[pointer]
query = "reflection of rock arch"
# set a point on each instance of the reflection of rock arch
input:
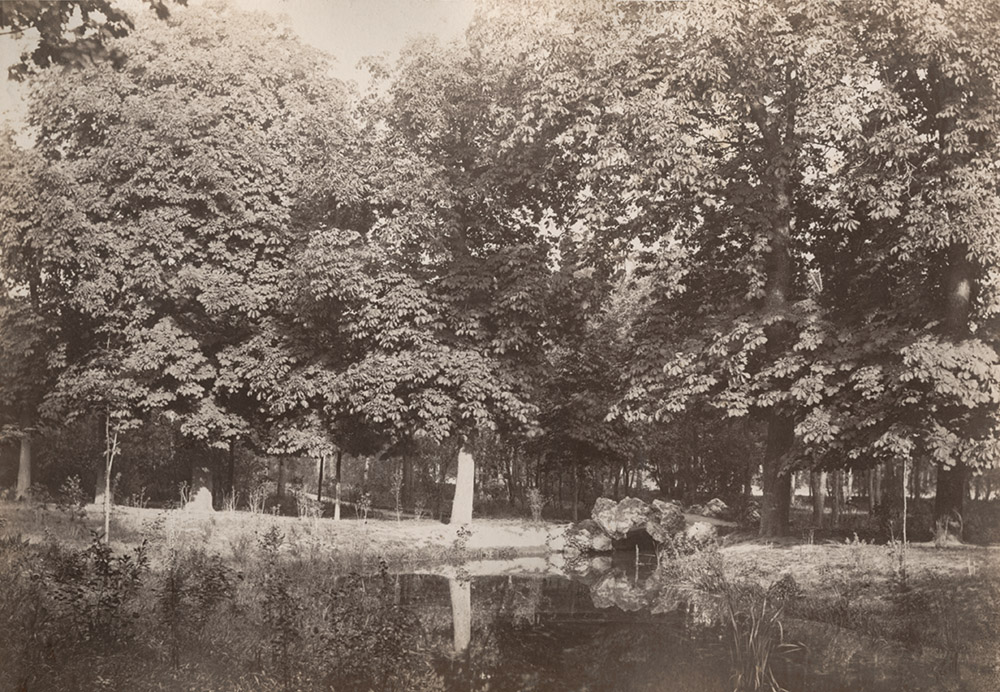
(461, 613)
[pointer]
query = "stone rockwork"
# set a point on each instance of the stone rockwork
(700, 532)
(620, 519)
(586, 537)
(715, 508)
(618, 590)
(665, 521)
(588, 569)
(632, 523)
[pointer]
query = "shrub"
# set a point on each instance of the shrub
(93, 588)
(285, 505)
(70, 497)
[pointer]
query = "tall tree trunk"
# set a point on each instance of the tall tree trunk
(877, 474)
(336, 490)
(25, 457)
(777, 483)
(959, 285)
(949, 500)
(461, 508)
(870, 490)
(891, 499)
(817, 484)
(409, 491)
(231, 472)
(778, 276)
(576, 492)
(201, 489)
(110, 450)
(319, 483)
(838, 497)
(281, 477)
(439, 496)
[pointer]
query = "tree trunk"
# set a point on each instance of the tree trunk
(336, 491)
(461, 508)
(959, 286)
(409, 492)
(877, 474)
(201, 489)
(281, 477)
(949, 500)
(777, 483)
(110, 450)
(319, 482)
(439, 496)
(838, 497)
(817, 484)
(891, 499)
(24, 459)
(870, 490)
(778, 276)
(576, 492)
(231, 472)
(99, 485)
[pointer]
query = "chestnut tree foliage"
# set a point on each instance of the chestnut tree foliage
(579, 228)
(178, 173)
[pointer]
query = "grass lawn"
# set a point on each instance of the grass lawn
(355, 544)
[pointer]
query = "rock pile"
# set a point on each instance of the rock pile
(630, 521)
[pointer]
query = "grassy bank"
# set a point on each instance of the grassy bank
(353, 544)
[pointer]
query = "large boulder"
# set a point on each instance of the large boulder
(700, 532)
(665, 521)
(621, 518)
(586, 537)
(716, 508)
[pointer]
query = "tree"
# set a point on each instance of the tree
(739, 106)
(436, 301)
(26, 339)
(70, 32)
(186, 164)
(914, 250)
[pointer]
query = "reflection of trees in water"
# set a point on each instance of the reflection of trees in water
(545, 634)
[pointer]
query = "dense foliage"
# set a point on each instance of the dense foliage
(634, 242)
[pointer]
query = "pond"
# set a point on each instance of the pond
(92, 620)
(533, 631)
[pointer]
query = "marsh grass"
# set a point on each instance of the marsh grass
(98, 617)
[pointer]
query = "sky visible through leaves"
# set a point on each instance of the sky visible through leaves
(347, 29)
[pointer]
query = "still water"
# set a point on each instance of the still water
(526, 625)
(613, 629)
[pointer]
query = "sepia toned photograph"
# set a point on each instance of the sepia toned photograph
(500, 346)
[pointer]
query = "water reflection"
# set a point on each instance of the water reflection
(604, 626)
